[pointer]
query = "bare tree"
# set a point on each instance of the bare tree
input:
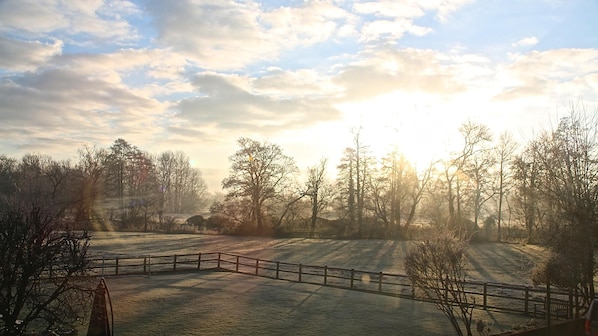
(436, 267)
(389, 190)
(117, 164)
(474, 137)
(42, 264)
(345, 184)
(195, 192)
(91, 169)
(395, 192)
(364, 164)
(526, 196)
(568, 158)
(504, 152)
(478, 169)
(8, 184)
(165, 164)
(319, 192)
(417, 192)
(258, 172)
(181, 187)
(355, 171)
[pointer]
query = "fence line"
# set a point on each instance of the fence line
(534, 301)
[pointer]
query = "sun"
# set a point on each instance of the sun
(396, 122)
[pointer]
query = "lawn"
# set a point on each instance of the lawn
(222, 303)
(491, 262)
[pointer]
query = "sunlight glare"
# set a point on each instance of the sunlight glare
(411, 124)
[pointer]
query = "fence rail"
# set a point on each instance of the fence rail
(533, 301)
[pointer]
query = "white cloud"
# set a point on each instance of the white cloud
(223, 35)
(385, 70)
(386, 30)
(90, 21)
(156, 63)
(232, 35)
(393, 9)
(227, 102)
(526, 42)
(63, 104)
(300, 83)
(444, 8)
(18, 55)
(395, 18)
(564, 73)
(314, 22)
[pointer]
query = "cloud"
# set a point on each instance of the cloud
(393, 18)
(64, 104)
(155, 63)
(299, 83)
(555, 73)
(395, 9)
(384, 70)
(231, 103)
(526, 42)
(410, 9)
(231, 35)
(18, 55)
(84, 22)
(390, 30)
(444, 8)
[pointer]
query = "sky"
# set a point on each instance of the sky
(195, 75)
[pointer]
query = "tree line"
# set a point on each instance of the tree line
(120, 187)
(490, 187)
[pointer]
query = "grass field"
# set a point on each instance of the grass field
(492, 262)
(219, 303)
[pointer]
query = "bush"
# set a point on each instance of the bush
(436, 267)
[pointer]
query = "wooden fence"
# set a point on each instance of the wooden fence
(528, 300)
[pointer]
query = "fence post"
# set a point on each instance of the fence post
(325, 275)
(257, 266)
(570, 310)
(277, 268)
(144, 265)
(116, 266)
(237, 264)
(526, 299)
(174, 263)
(576, 303)
(380, 282)
(548, 303)
(300, 267)
(352, 276)
(485, 295)
(199, 261)
(219, 260)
